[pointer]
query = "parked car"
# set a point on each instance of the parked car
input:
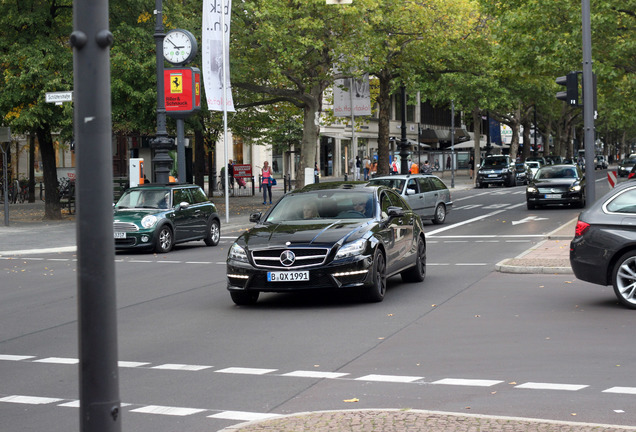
(625, 166)
(534, 167)
(157, 217)
(427, 195)
(334, 235)
(522, 173)
(539, 159)
(603, 250)
(556, 184)
(553, 160)
(496, 170)
(600, 162)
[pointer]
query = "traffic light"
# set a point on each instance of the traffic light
(571, 83)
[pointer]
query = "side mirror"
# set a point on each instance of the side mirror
(255, 217)
(393, 211)
(183, 205)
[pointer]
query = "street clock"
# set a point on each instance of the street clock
(179, 47)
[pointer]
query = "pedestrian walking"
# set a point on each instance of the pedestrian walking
(367, 167)
(357, 172)
(471, 167)
(266, 182)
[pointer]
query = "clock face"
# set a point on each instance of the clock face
(179, 46)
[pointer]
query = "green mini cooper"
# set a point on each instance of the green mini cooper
(157, 217)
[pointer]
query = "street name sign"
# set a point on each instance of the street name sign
(59, 97)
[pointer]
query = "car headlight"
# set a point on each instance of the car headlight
(148, 221)
(351, 249)
(237, 253)
(531, 189)
(575, 188)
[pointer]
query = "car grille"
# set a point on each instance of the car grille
(554, 189)
(305, 257)
(125, 227)
(125, 242)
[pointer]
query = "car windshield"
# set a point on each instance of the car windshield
(139, 198)
(494, 163)
(556, 172)
(327, 204)
(533, 164)
(630, 161)
(395, 184)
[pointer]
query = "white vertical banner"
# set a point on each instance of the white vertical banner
(213, 59)
(352, 92)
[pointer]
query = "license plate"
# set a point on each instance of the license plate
(492, 175)
(287, 276)
(120, 235)
(552, 196)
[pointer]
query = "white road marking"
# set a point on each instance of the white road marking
(621, 390)
(243, 416)
(30, 400)
(129, 364)
(181, 367)
(551, 386)
(246, 371)
(57, 360)
(14, 357)
(467, 382)
(315, 374)
(389, 378)
(167, 410)
(475, 219)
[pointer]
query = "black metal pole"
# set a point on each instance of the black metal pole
(404, 166)
(162, 162)
(97, 312)
(589, 135)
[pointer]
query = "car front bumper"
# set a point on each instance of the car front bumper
(547, 199)
(351, 273)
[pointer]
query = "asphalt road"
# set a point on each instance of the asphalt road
(466, 340)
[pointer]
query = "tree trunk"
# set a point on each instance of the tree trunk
(526, 139)
(477, 136)
(52, 209)
(384, 101)
(311, 130)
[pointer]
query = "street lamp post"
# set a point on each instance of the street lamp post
(162, 144)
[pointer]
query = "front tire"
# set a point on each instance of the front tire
(440, 214)
(165, 240)
(375, 292)
(244, 298)
(624, 279)
(213, 234)
(417, 273)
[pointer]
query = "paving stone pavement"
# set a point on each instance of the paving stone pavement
(412, 421)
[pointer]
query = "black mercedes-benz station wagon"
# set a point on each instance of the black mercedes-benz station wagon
(328, 236)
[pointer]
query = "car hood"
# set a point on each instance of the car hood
(134, 215)
(324, 233)
(553, 182)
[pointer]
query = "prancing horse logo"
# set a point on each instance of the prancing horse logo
(287, 258)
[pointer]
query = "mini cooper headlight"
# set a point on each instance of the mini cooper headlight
(237, 253)
(351, 249)
(148, 221)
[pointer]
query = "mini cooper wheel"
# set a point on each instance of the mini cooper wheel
(624, 279)
(213, 234)
(165, 240)
(440, 214)
(417, 273)
(375, 292)
(244, 298)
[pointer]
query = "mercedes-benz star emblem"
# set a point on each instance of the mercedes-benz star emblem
(287, 258)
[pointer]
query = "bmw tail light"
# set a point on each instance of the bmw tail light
(581, 227)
